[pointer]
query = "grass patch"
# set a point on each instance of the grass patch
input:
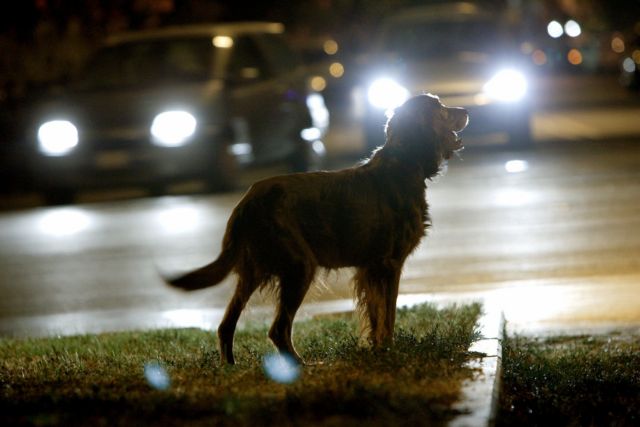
(100, 380)
(580, 380)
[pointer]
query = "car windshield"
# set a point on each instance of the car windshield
(149, 62)
(417, 39)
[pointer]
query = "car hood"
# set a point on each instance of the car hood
(445, 78)
(462, 76)
(113, 110)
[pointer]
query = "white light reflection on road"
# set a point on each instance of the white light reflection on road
(530, 302)
(179, 219)
(513, 197)
(64, 222)
(192, 318)
(516, 166)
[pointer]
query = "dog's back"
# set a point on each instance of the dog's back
(342, 219)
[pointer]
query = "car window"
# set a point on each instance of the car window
(247, 62)
(281, 57)
(442, 38)
(150, 62)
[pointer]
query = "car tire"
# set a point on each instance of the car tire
(305, 158)
(222, 176)
(157, 189)
(58, 196)
(374, 137)
(520, 133)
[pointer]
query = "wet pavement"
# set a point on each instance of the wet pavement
(549, 234)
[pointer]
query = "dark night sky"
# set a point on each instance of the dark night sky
(24, 14)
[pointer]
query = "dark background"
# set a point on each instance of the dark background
(46, 42)
(33, 32)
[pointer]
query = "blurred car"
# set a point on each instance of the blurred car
(331, 65)
(458, 51)
(178, 103)
(630, 67)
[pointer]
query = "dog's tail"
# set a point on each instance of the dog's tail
(209, 275)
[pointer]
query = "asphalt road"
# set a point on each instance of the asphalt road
(551, 235)
(557, 241)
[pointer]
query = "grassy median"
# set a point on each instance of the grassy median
(571, 381)
(174, 376)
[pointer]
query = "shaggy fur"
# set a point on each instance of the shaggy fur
(370, 217)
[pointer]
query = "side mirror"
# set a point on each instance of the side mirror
(249, 73)
(244, 75)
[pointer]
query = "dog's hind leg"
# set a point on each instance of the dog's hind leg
(245, 287)
(377, 292)
(294, 285)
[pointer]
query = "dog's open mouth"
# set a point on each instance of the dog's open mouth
(452, 144)
(457, 136)
(459, 121)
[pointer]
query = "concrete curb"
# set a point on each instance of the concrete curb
(479, 396)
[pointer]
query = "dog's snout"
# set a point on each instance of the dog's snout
(465, 119)
(460, 118)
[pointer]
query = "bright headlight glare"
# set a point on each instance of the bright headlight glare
(173, 128)
(507, 85)
(387, 94)
(318, 110)
(57, 137)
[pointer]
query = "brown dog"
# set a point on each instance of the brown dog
(370, 217)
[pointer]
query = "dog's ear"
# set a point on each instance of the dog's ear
(410, 134)
(402, 125)
(412, 121)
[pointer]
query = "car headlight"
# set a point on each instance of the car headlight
(57, 137)
(319, 112)
(507, 85)
(173, 128)
(386, 94)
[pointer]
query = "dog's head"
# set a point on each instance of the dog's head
(425, 122)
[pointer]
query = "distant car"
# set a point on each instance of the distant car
(179, 102)
(630, 67)
(458, 51)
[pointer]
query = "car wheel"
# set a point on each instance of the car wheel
(520, 133)
(374, 138)
(157, 189)
(58, 196)
(223, 174)
(307, 156)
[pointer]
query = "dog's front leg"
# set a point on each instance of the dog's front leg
(377, 289)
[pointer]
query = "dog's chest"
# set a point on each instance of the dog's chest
(412, 225)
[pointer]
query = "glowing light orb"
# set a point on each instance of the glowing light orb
(572, 28)
(554, 29)
(156, 376)
(281, 368)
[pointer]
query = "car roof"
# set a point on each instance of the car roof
(440, 12)
(204, 30)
